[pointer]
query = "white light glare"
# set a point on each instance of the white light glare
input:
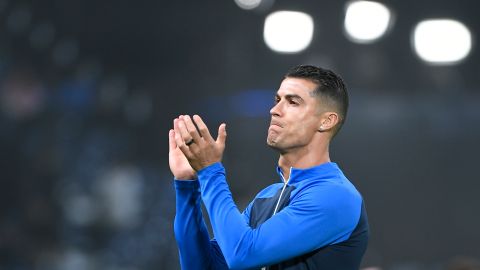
(288, 31)
(366, 21)
(442, 41)
(248, 4)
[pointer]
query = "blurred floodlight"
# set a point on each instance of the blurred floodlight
(248, 4)
(256, 5)
(288, 31)
(442, 41)
(366, 21)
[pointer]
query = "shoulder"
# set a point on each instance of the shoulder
(336, 196)
(337, 187)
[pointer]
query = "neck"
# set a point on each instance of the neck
(303, 158)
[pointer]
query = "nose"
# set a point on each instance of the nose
(275, 110)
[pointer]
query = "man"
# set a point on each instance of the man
(313, 219)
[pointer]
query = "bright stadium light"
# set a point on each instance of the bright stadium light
(441, 41)
(366, 21)
(288, 31)
(248, 4)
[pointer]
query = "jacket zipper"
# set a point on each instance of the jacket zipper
(285, 182)
(283, 189)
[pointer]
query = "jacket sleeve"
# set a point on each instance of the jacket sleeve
(309, 222)
(196, 250)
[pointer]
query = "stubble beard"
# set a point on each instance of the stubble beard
(272, 138)
(274, 143)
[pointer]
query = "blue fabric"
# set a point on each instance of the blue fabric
(323, 209)
(196, 251)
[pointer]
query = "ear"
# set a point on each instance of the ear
(328, 121)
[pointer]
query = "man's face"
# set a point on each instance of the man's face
(296, 115)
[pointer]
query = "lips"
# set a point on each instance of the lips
(275, 123)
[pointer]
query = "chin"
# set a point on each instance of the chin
(272, 139)
(271, 143)
(274, 145)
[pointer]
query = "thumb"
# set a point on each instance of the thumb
(222, 134)
(171, 140)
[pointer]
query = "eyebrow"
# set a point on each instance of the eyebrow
(291, 96)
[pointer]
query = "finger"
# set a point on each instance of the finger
(192, 129)
(178, 135)
(175, 129)
(193, 147)
(222, 134)
(178, 139)
(202, 128)
(171, 140)
(183, 147)
(181, 129)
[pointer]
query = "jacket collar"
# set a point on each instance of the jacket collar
(323, 171)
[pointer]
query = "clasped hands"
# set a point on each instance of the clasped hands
(192, 148)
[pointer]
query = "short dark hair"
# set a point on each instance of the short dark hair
(331, 88)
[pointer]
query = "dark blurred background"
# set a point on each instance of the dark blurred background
(89, 89)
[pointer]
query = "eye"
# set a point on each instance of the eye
(276, 99)
(293, 102)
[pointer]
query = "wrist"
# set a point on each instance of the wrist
(201, 166)
(210, 168)
(186, 185)
(186, 177)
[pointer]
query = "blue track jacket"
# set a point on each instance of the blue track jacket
(316, 220)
